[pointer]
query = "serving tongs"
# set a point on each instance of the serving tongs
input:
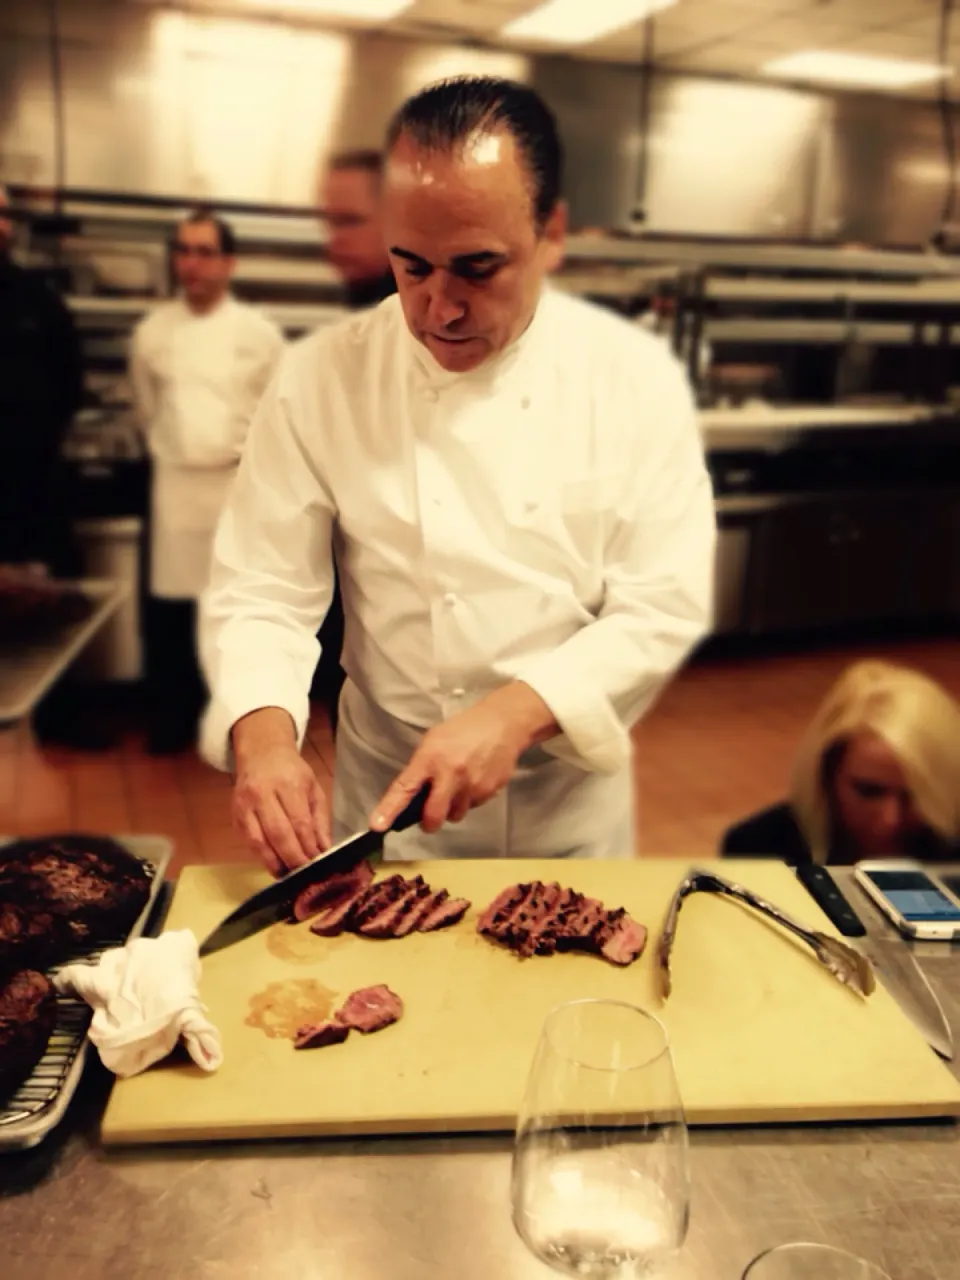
(846, 964)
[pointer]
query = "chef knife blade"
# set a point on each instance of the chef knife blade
(890, 957)
(272, 904)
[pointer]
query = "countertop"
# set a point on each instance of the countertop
(438, 1209)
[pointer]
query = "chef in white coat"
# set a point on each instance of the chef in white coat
(199, 365)
(516, 486)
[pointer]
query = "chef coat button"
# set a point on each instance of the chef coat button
(449, 599)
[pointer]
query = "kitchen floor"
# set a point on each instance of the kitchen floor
(717, 746)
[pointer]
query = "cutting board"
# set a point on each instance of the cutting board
(760, 1032)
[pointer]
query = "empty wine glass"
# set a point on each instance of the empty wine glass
(600, 1171)
(811, 1262)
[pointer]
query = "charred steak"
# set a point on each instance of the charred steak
(365, 1011)
(540, 919)
(28, 1013)
(92, 883)
(31, 938)
(390, 908)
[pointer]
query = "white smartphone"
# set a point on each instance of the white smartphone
(920, 905)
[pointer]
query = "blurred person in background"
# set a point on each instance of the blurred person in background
(199, 365)
(877, 775)
(350, 212)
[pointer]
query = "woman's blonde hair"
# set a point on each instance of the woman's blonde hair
(915, 717)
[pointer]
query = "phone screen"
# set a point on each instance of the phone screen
(915, 896)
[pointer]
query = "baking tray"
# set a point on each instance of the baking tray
(29, 669)
(40, 1103)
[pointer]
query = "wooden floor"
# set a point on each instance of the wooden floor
(716, 746)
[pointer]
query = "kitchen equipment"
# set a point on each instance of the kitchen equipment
(601, 1184)
(272, 904)
(41, 1102)
(847, 965)
(828, 896)
(811, 1262)
(759, 1032)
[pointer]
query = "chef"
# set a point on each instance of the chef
(199, 365)
(516, 488)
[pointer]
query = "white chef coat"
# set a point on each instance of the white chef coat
(547, 517)
(197, 380)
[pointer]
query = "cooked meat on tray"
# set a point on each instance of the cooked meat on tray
(90, 882)
(28, 1013)
(365, 1011)
(540, 919)
(390, 908)
(31, 937)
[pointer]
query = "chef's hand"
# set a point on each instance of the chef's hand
(469, 758)
(278, 804)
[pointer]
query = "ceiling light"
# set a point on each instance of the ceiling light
(858, 69)
(362, 10)
(580, 21)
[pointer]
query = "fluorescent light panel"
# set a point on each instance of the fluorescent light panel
(362, 10)
(581, 21)
(864, 70)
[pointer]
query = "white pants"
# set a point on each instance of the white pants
(550, 809)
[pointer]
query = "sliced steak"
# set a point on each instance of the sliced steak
(371, 1009)
(28, 1014)
(540, 919)
(389, 918)
(319, 1034)
(625, 942)
(391, 908)
(31, 938)
(376, 898)
(502, 908)
(332, 922)
(444, 914)
(332, 891)
(418, 912)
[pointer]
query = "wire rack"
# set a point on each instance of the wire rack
(40, 1101)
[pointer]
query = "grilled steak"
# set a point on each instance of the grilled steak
(338, 888)
(390, 908)
(540, 919)
(28, 1013)
(365, 1011)
(31, 938)
(92, 883)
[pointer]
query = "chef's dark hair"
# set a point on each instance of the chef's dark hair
(226, 239)
(364, 158)
(447, 113)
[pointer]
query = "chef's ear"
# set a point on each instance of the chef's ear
(554, 235)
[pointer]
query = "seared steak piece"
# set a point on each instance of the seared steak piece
(365, 1011)
(93, 883)
(28, 1014)
(340, 887)
(539, 919)
(390, 908)
(31, 938)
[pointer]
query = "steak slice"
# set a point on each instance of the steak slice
(28, 1014)
(539, 919)
(318, 1035)
(387, 920)
(504, 905)
(444, 914)
(336, 888)
(624, 941)
(419, 910)
(332, 922)
(371, 1009)
(31, 938)
(376, 898)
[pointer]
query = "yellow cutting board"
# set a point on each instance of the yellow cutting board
(760, 1031)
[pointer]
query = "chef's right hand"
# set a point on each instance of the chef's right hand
(278, 804)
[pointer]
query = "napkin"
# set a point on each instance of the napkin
(145, 998)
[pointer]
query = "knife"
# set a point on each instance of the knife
(271, 905)
(890, 957)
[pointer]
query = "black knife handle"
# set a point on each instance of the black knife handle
(825, 891)
(413, 812)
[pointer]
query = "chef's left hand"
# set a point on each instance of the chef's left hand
(469, 758)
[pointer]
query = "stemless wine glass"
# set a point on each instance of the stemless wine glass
(811, 1262)
(600, 1171)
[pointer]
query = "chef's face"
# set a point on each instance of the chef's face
(873, 806)
(202, 269)
(351, 213)
(467, 250)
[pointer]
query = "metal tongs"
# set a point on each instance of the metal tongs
(846, 964)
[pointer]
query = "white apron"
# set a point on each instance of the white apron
(185, 507)
(551, 809)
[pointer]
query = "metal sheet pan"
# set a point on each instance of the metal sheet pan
(40, 1104)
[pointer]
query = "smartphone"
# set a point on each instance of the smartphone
(920, 905)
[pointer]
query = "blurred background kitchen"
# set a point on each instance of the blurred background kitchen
(771, 184)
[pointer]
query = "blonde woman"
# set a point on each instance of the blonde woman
(877, 775)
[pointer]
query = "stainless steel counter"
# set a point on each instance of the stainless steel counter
(427, 1209)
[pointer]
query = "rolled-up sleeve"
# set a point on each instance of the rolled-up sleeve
(271, 581)
(658, 584)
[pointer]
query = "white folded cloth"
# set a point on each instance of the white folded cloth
(145, 997)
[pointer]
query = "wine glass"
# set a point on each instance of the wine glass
(811, 1262)
(600, 1182)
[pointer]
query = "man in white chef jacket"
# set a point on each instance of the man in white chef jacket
(199, 365)
(516, 486)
